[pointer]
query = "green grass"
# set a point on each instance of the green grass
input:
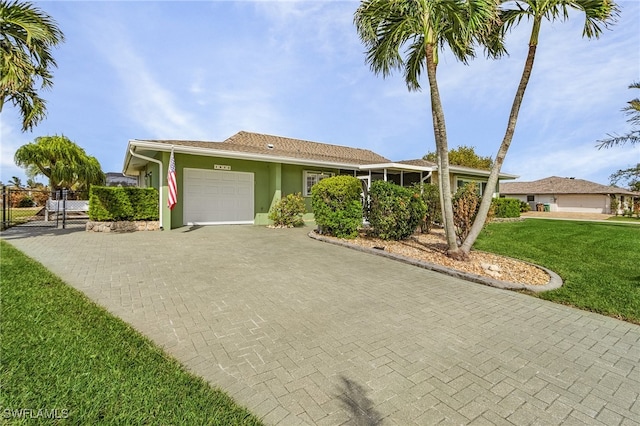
(24, 214)
(598, 262)
(62, 352)
(625, 219)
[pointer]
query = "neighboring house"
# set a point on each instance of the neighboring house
(237, 181)
(563, 194)
(118, 179)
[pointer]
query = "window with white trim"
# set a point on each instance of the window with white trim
(311, 178)
(480, 186)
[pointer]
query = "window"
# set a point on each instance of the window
(311, 178)
(480, 186)
(531, 198)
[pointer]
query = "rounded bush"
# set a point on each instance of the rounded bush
(337, 205)
(288, 211)
(394, 212)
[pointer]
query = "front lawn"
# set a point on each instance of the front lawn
(632, 219)
(598, 262)
(63, 357)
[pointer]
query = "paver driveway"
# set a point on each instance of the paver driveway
(304, 332)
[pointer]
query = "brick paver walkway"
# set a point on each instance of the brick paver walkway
(304, 332)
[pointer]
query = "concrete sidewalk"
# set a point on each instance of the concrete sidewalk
(304, 332)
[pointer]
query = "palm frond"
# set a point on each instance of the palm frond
(27, 36)
(633, 137)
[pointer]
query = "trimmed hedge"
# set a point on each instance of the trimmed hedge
(337, 205)
(394, 211)
(122, 203)
(506, 207)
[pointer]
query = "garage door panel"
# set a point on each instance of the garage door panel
(213, 196)
(583, 203)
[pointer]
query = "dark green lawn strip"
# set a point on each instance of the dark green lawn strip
(599, 262)
(61, 351)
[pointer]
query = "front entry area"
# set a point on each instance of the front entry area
(216, 197)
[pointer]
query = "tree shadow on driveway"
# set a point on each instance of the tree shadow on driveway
(353, 399)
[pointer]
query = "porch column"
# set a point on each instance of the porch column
(276, 183)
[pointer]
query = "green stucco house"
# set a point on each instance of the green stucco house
(237, 181)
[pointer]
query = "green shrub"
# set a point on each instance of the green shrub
(394, 212)
(506, 207)
(288, 211)
(26, 201)
(123, 203)
(337, 205)
(524, 207)
(431, 199)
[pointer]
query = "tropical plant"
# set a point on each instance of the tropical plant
(16, 182)
(27, 35)
(633, 137)
(465, 156)
(31, 183)
(598, 14)
(62, 161)
(422, 28)
(287, 212)
(630, 176)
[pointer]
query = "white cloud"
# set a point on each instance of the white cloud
(148, 102)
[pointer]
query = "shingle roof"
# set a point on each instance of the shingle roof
(559, 185)
(418, 162)
(279, 146)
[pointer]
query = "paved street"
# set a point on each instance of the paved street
(304, 332)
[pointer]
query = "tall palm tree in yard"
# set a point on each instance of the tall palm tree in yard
(27, 35)
(421, 29)
(598, 15)
(62, 161)
(633, 137)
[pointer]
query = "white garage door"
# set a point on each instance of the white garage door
(214, 197)
(587, 203)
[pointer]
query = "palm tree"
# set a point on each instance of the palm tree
(421, 28)
(16, 182)
(633, 137)
(27, 35)
(598, 14)
(62, 161)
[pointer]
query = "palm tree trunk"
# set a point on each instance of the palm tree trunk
(440, 134)
(485, 205)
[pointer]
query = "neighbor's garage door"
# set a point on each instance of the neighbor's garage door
(214, 197)
(587, 203)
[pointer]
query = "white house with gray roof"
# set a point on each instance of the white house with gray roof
(567, 194)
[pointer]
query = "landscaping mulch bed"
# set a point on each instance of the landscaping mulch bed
(432, 247)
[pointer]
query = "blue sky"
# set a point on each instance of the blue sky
(204, 70)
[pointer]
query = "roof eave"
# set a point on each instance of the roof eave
(211, 152)
(396, 166)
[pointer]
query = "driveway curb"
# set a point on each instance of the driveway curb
(555, 281)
